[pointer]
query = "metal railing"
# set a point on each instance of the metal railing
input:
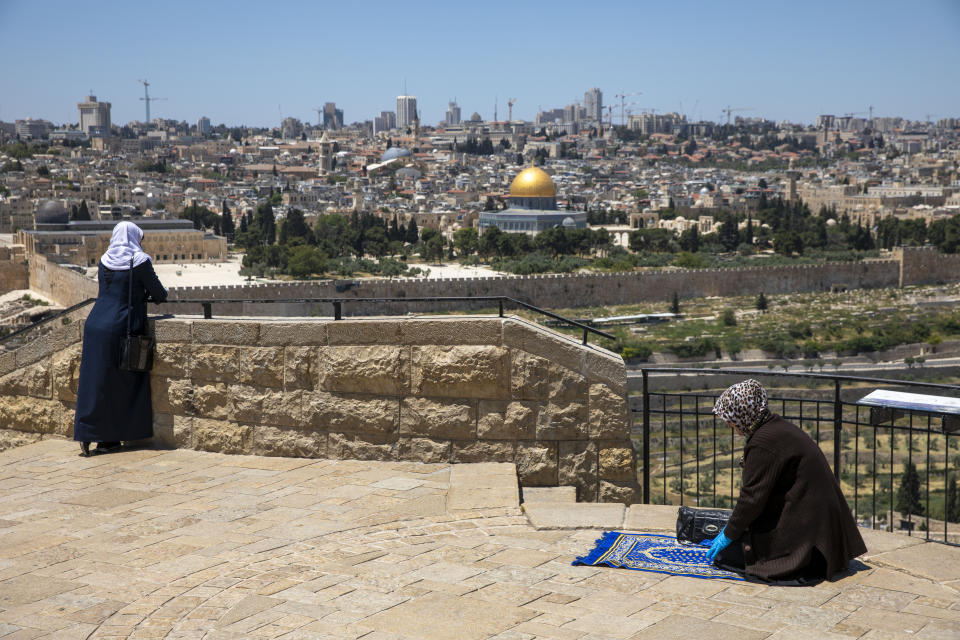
(338, 304)
(687, 457)
(16, 338)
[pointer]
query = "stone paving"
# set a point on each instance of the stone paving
(185, 544)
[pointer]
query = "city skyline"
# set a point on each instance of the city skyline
(245, 63)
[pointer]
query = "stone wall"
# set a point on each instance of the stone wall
(13, 269)
(59, 283)
(431, 390)
(924, 265)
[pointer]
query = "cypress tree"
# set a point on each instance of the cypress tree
(761, 303)
(226, 223)
(952, 501)
(675, 304)
(908, 494)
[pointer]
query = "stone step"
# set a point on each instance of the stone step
(641, 518)
(483, 485)
(549, 494)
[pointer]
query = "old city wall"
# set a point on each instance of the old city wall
(59, 283)
(431, 390)
(924, 265)
(14, 273)
(547, 290)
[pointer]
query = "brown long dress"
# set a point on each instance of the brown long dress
(791, 508)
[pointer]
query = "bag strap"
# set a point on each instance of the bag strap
(130, 297)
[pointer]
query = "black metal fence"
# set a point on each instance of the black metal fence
(899, 471)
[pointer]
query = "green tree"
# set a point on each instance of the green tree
(728, 317)
(690, 240)
(305, 261)
(413, 234)
(466, 241)
(908, 494)
(761, 303)
(675, 304)
(226, 221)
(266, 223)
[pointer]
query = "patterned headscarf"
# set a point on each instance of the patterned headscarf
(744, 404)
(124, 244)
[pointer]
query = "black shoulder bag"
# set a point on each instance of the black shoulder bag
(136, 352)
(696, 525)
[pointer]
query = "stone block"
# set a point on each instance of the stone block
(33, 415)
(216, 363)
(555, 347)
(8, 362)
(451, 331)
(10, 438)
(609, 415)
(376, 369)
(245, 402)
(163, 429)
(183, 433)
(617, 461)
(167, 330)
(66, 373)
(32, 351)
(364, 446)
(230, 332)
(212, 401)
(578, 468)
(261, 366)
(423, 449)
(32, 380)
(340, 332)
(299, 367)
(353, 414)
(468, 371)
(536, 378)
(651, 517)
(557, 515)
(172, 359)
(625, 492)
(303, 333)
(537, 463)
(438, 418)
(484, 451)
(563, 422)
(606, 367)
(282, 408)
(222, 436)
(289, 443)
(503, 420)
(538, 495)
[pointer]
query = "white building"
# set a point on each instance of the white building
(94, 116)
(593, 104)
(406, 111)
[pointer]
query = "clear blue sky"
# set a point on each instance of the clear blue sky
(248, 62)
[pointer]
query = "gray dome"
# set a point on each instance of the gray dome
(52, 212)
(569, 223)
(395, 152)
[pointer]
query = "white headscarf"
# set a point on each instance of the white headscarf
(124, 244)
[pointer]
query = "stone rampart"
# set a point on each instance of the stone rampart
(59, 283)
(924, 265)
(419, 389)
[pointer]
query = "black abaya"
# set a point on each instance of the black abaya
(114, 405)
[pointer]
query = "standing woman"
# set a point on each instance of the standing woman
(791, 520)
(114, 405)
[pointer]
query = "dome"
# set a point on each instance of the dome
(704, 191)
(831, 222)
(52, 212)
(569, 223)
(395, 152)
(533, 182)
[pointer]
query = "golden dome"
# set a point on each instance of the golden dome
(532, 182)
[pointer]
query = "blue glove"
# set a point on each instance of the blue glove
(720, 543)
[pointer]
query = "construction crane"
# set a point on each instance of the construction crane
(147, 99)
(623, 104)
(319, 111)
(730, 110)
(510, 103)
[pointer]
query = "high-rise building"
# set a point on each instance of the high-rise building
(94, 116)
(453, 114)
(593, 104)
(203, 126)
(332, 117)
(291, 128)
(386, 121)
(406, 111)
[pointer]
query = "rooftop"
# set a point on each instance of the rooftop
(177, 543)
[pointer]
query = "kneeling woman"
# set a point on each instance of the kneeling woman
(791, 520)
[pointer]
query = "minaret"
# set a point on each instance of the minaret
(326, 155)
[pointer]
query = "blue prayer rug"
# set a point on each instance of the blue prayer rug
(651, 552)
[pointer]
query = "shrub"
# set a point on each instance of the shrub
(636, 352)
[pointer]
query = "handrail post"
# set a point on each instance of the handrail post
(500, 301)
(646, 440)
(837, 427)
(584, 336)
(207, 310)
(338, 310)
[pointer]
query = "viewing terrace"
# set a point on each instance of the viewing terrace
(429, 478)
